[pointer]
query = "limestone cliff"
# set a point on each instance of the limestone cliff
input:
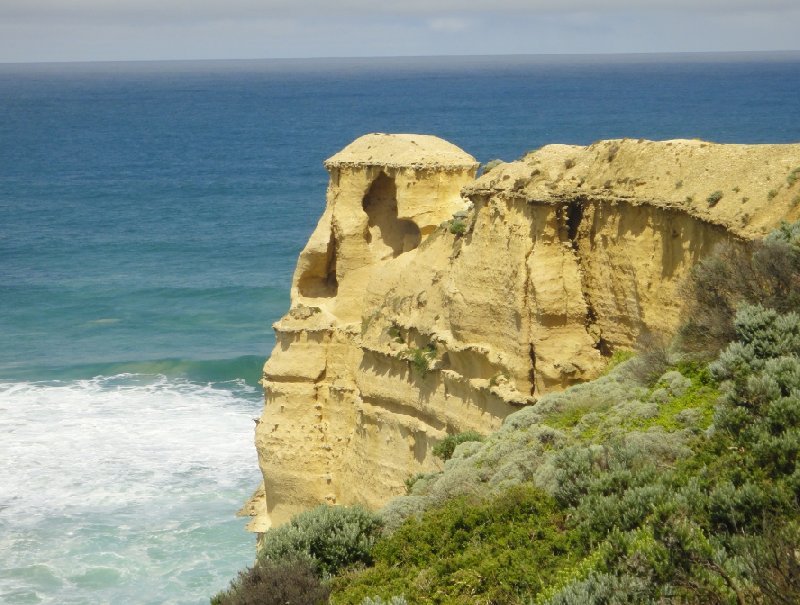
(427, 302)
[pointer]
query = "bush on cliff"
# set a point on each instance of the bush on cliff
(444, 449)
(330, 538)
(495, 550)
(683, 488)
(766, 273)
(286, 582)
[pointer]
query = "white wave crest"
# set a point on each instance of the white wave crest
(123, 489)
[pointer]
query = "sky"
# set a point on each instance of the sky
(114, 30)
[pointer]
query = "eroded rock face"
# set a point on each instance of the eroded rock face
(427, 302)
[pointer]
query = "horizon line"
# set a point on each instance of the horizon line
(787, 53)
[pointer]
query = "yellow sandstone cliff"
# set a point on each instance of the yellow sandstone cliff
(427, 302)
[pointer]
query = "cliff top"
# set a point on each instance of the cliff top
(402, 151)
(747, 189)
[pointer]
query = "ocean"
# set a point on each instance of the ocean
(150, 218)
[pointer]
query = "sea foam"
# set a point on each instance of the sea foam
(123, 488)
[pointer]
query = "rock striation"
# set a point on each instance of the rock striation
(429, 302)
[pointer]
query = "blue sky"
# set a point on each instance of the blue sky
(94, 30)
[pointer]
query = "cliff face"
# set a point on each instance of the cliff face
(427, 302)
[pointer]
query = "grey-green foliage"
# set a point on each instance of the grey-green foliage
(491, 164)
(395, 600)
(329, 537)
(421, 358)
(603, 589)
(765, 273)
(787, 233)
(458, 226)
(444, 449)
(772, 561)
(275, 583)
(760, 375)
(539, 442)
(714, 197)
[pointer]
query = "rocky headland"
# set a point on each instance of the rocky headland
(429, 302)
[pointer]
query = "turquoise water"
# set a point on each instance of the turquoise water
(150, 218)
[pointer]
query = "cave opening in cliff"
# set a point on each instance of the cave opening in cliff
(387, 234)
(574, 218)
(319, 279)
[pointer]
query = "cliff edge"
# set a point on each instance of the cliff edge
(429, 302)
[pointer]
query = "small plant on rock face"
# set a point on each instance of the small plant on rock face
(612, 152)
(714, 197)
(421, 358)
(772, 193)
(458, 227)
(793, 177)
(491, 164)
(395, 334)
(495, 380)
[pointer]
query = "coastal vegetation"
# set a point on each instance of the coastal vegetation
(714, 197)
(458, 227)
(445, 448)
(421, 358)
(672, 478)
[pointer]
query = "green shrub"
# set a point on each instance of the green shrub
(793, 177)
(618, 357)
(410, 481)
(395, 600)
(714, 198)
(458, 226)
(602, 589)
(761, 377)
(502, 549)
(772, 560)
(395, 334)
(767, 273)
(638, 497)
(421, 358)
(286, 582)
(444, 449)
(651, 362)
(330, 538)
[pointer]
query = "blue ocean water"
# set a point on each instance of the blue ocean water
(150, 218)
